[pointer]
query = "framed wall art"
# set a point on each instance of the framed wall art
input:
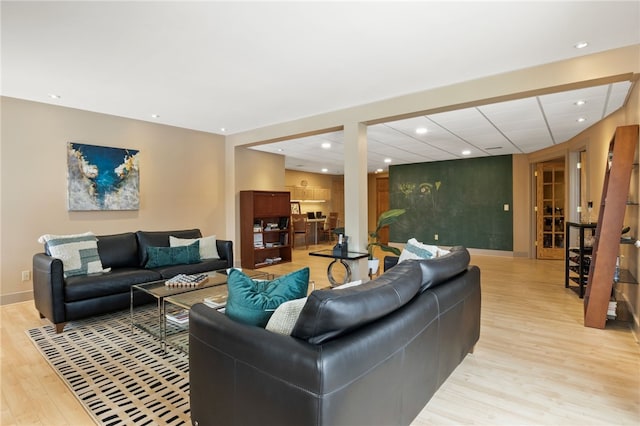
(295, 207)
(102, 178)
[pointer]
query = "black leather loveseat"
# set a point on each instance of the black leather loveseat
(367, 355)
(63, 299)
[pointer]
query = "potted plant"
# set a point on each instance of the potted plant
(386, 218)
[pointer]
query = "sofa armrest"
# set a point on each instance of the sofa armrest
(390, 262)
(48, 287)
(225, 251)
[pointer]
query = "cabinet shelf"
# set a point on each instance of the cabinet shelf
(260, 210)
(578, 258)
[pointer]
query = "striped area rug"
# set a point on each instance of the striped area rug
(119, 376)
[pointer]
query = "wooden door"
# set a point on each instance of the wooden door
(382, 205)
(550, 196)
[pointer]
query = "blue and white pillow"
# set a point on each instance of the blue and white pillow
(416, 250)
(78, 253)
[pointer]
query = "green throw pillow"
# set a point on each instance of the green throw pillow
(253, 302)
(165, 256)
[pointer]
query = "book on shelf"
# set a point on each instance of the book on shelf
(183, 280)
(179, 317)
(215, 302)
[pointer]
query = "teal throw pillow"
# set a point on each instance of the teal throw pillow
(253, 302)
(165, 256)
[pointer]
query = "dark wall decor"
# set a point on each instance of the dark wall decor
(461, 201)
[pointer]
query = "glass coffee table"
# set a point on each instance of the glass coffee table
(163, 324)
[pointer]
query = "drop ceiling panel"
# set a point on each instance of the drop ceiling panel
(517, 126)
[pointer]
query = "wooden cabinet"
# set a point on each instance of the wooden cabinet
(265, 234)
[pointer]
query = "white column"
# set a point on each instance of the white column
(355, 193)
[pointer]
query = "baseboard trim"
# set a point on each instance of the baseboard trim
(8, 299)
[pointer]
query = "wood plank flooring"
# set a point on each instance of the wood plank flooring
(535, 363)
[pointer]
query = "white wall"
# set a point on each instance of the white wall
(181, 181)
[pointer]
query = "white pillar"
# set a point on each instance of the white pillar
(355, 193)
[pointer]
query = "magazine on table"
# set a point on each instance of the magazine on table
(179, 317)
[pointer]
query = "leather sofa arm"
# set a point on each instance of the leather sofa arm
(48, 287)
(390, 262)
(225, 251)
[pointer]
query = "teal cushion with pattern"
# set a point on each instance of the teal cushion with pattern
(166, 256)
(253, 302)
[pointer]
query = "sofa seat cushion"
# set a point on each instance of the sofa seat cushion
(193, 268)
(84, 287)
(331, 313)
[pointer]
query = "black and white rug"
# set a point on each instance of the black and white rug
(119, 376)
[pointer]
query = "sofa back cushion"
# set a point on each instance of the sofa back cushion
(331, 313)
(118, 250)
(160, 239)
(438, 270)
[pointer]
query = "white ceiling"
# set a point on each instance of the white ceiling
(245, 65)
(515, 127)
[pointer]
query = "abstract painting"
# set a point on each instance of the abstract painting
(102, 178)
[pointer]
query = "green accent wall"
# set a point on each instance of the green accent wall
(460, 200)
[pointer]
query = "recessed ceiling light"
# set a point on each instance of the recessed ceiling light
(326, 145)
(421, 130)
(379, 170)
(155, 115)
(580, 102)
(466, 152)
(581, 120)
(387, 160)
(280, 150)
(325, 170)
(53, 96)
(223, 129)
(581, 45)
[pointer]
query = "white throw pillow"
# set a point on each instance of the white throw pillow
(208, 248)
(285, 316)
(78, 252)
(349, 284)
(416, 250)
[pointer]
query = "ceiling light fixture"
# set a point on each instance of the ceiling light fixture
(325, 170)
(581, 120)
(580, 102)
(223, 129)
(581, 45)
(54, 96)
(280, 150)
(421, 130)
(387, 160)
(155, 116)
(466, 152)
(379, 170)
(326, 145)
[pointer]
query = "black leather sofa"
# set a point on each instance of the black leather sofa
(367, 355)
(63, 299)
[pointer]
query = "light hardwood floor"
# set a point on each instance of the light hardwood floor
(535, 363)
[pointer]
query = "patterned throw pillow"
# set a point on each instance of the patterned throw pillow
(208, 248)
(253, 302)
(166, 256)
(285, 316)
(416, 250)
(78, 252)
